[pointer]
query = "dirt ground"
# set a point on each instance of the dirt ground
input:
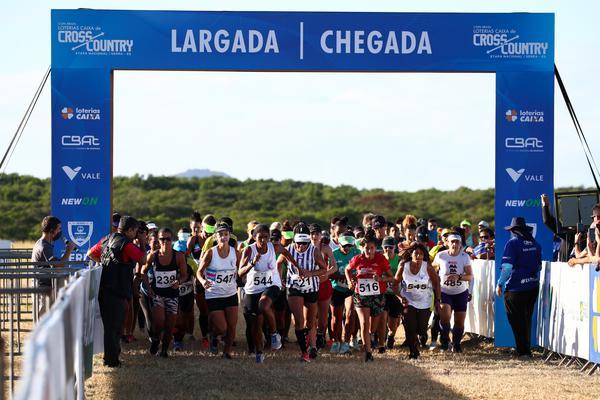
(481, 372)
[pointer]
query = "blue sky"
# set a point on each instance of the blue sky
(417, 118)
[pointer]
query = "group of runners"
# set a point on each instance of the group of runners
(344, 289)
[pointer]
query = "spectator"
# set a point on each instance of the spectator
(519, 279)
(432, 226)
(470, 239)
(485, 250)
(482, 224)
(43, 251)
(566, 236)
(116, 217)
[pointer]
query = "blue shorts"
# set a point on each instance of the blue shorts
(458, 302)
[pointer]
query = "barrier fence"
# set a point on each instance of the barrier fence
(22, 302)
(59, 353)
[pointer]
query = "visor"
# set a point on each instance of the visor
(289, 235)
(346, 240)
(209, 228)
(454, 237)
(301, 238)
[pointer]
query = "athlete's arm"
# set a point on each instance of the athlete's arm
(467, 275)
(284, 252)
(238, 258)
(204, 263)
(397, 280)
(146, 266)
(332, 264)
(246, 264)
(320, 262)
(180, 258)
(435, 282)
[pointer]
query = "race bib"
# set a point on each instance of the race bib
(416, 287)
(165, 279)
(186, 288)
(368, 287)
(263, 279)
(452, 284)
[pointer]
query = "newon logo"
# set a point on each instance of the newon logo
(92, 40)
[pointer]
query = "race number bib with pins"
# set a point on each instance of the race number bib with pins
(186, 288)
(368, 287)
(165, 279)
(263, 279)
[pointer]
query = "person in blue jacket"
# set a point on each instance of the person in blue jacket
(519, 279)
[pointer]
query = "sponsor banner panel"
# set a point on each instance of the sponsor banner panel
(480, 314)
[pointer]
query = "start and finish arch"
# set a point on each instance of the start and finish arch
(88, 45)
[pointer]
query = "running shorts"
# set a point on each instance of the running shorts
(221, 303)
(458, 302)
(310, 297)
(393, 305)
(251, 300)
(170, 304)
(338, 297)
(375, 303)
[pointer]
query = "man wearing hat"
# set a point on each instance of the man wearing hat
(519, 279)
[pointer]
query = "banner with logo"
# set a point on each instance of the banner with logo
(480, 311)
(87, 45)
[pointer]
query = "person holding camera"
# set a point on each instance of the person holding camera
(591, 253)
(566, 236)
(519, 280)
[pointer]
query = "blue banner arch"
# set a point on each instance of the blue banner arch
(88, 45)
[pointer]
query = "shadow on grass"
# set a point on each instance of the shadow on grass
(197, 374)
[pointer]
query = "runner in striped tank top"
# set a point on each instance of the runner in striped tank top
(303, 287)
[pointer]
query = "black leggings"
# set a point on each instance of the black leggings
(415, 325)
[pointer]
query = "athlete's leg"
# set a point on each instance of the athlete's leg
(458, 328)
(445, 314)
(364, 318)
(231, 315)
(218, 322)
(296, 304)
(311, 319)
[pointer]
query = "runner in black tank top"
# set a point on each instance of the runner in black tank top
(169, 269)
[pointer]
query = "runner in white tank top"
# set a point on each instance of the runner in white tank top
(418, 282)
(455, 271)
(217, 273)
(263, 283)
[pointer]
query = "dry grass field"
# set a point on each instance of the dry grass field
(481, 372)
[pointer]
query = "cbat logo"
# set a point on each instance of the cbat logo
(515, 175)
(520, 144)
(523, 203)
(502, 42)
(66, 113)
(80, 113)
(79, 201)
(91, 40)
(511, 115)
(80, 232)
(72, 173)
(80, 142)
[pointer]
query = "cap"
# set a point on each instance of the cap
(465, 222)
(275, 225)
(446, 232)
(301, 238)
(314, 228)
(116, 217)
(151, 226)
(388, 241)
(222, 226)
(483, 223)
(275, 234)
(251, 225)
(378, 222)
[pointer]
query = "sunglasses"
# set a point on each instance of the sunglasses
(388, 247)
(484, 237)
(262, 237)
(164, 239)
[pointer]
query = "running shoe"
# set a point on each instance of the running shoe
(204, 343)
(355, 344)
(305, 357)
(227, 356)
(214, 344)
(445, 346)
(381, 350)
(320, 340)
(260, 358)
(345, 348)
(423, 340)
(312, 352)
(456, 348)
(413, 356)
(164, 354)
(368, 356)
(276, 341)
(390, 342)
(374, 340)
(433, 345)
(335, 348)
(177, 345)
(154, 347)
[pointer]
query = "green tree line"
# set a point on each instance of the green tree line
(169, 201)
